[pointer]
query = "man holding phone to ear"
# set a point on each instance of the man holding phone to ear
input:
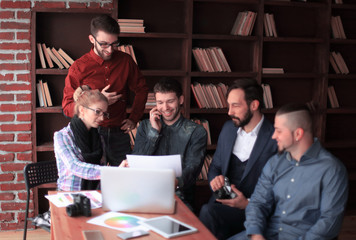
(167, 132)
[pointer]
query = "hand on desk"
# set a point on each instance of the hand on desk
(238, 202)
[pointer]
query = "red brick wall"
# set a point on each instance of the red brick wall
(15, 101)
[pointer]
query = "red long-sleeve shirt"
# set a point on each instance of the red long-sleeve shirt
(120, 72)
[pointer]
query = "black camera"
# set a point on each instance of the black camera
(225, 192)
(80, 207)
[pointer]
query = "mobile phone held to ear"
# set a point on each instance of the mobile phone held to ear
(93, 235)
(133, 234)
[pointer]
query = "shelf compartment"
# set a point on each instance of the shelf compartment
(292, 21)
(239, 54)
(348, 53)
(294, 90)
(46, 125)
(207, 21)
(345, 92)
(340, 127)
(292, 57)
(165, 17)
(155, 54)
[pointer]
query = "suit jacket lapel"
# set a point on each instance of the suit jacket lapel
(261, 141)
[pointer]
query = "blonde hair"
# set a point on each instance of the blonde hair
(85, 96)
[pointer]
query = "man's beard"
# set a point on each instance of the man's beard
(246, 120)
(101, 54)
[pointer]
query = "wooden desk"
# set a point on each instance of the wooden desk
(64, 227)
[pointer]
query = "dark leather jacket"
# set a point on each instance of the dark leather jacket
(184, 137)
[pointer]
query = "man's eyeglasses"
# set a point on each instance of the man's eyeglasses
(99, 112)
(107, 45)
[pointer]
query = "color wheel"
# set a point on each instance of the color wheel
(122, 222)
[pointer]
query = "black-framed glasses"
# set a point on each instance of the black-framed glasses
(99, 112)
(107, 45)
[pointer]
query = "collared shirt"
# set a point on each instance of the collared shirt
(184, 137)
(299, 200)
(120, 72)
(70, 162)
(245, 141)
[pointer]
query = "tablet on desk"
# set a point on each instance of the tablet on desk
(168, 227)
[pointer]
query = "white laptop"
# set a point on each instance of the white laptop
(138, 190)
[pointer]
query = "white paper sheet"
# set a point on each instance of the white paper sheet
(156, 162)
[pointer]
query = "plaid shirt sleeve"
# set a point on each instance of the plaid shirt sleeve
(70, 162)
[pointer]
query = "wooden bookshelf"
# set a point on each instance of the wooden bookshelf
(58, 28)
(175, 27)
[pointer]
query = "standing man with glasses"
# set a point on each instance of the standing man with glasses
(114, 73)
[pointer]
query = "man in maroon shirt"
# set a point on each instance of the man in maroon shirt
(114, 73)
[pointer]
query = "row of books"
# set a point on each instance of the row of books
(151, 101)
(339, 2)
(334, 102)
(129, 50)
(269, 25)
(211, 59)
(244, 23)
(205, 168)
(267, 95)
(337, 29)
(205, 124)
(210, 95)
(131, 25)
(51, 55)
(44, 96)
(338, 63)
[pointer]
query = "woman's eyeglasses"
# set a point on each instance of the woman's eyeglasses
(99, 112)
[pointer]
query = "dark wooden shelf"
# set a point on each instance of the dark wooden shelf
(55, 109)
(295, 4)
(224, 37)
(51, 71)
(158, 73)
(341, 110)
(209, 110)
(292, 75)
(342, 76)
(341, 144)
(154, 35)
(342, 41)
(224, 74)
(343, 6)
(45, 147)
(292, 40)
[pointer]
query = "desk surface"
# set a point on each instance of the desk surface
(64, 227)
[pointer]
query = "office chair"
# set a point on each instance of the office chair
(36, 174)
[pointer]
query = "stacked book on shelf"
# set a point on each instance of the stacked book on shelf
(338, 63)
(211, 59)
(339, 2)
(131, 25)
(337, 29)
(44, 96)
(334, 103)
(151, 101)
(269, 25)
(50, 56)
(267, 95)
(272, 70)
(210, 95)
(244, 23)
(205, 168)
(129, 50)
(205, 124)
